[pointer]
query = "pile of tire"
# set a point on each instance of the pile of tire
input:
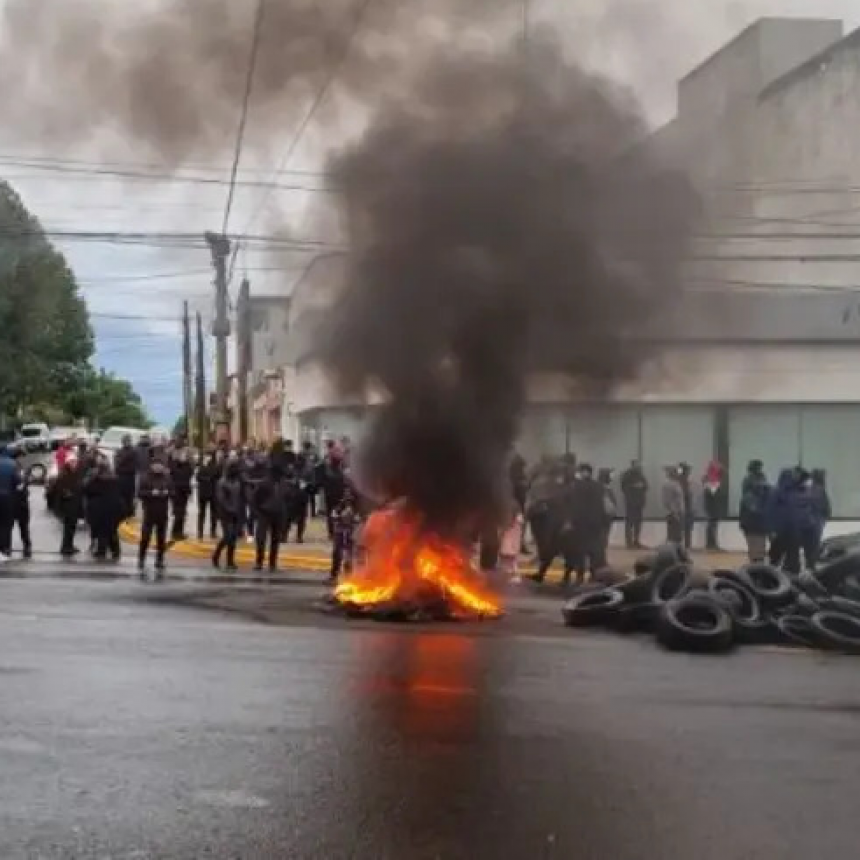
(756, 604)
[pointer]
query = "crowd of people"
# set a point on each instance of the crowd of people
(570, 511)
(263, 494)
(266, 495)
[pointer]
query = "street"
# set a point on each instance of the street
(134, 726)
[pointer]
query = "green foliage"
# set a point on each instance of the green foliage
(46, 341)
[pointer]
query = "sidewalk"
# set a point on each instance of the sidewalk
(315, 553)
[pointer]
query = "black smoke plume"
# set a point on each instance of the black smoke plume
(506, 220)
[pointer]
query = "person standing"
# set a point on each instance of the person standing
(752, 514)
(181, 476)
(22, 506)
(634, 488)
(155, 493)
(106, 506)
(269, 504)
(605, 478)
(674, 508)
(685, 473)
(306, 468)
(588, 515)
(125, 467)
(787, 511)
(229, 499)
(713, 486)
(542, 512)
(821, 512)
(333, 485)
(344, 517)
(255, 469)
(208, 473)
(296, 504)
(69, 493)
(9, 481)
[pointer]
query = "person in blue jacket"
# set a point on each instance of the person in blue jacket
(10, 479)
(821, 512)
(785, 516)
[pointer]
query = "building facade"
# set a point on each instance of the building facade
(762, 360)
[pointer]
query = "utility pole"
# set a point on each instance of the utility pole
(219, 245)
(243, 342)
(187, 396)
(202, 428)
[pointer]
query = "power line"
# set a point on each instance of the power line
(243, 118)
(334, 71)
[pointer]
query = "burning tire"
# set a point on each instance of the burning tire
(697, 623)
(837, 631)
(593, 610)
(771, 586)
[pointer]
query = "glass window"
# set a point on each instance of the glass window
(675, 434)
(542, 432)
(767, 433)
(830, 436)
(605, 437)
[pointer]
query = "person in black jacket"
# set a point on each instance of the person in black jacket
(270, 511)
(296, 501)
(229, 499)
(69, 495)
(105, 505)
(125, 467)
(181, 476)
(155, 492)
(753, 513)
(634, 488)
(333, 483)
(586, 509)
(254, 470)
(22, 506)
(208, 473)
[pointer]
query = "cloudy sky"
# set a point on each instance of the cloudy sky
(136, 289)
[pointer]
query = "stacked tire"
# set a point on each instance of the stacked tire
(754, 605)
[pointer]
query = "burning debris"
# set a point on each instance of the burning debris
(408, 572)
(506, 221)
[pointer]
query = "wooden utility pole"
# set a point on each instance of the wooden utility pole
(202, 422)
(187, 394)
(219, 245)
(243, 363)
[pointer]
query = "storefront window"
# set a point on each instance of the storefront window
(830, 438)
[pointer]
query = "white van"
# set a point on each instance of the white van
(111, 440)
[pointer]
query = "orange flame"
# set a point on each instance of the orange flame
(402, 564)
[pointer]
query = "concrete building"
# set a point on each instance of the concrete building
(767, 364)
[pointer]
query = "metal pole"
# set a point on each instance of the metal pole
(187, 397)
(220, 248)
(243, 338)
(200, 385)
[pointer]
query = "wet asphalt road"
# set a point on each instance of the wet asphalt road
(133, 729)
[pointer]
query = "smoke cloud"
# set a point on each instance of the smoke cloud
(505, 222)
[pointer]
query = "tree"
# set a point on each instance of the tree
(101, 399)
(46, 342)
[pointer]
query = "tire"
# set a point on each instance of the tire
(832, 574)
(644, 564)
(638, 589)
(837, 631)
(842, 605)
(593, 610)
(672, 583)
(808, 584)
(798, 630)
(636, 618)
(772, 587)
(836, 547)
(761, 631)
(697, 624)
(739, 598)
(668, 555)
(851, 587)
(805, 606)
(37, 474)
